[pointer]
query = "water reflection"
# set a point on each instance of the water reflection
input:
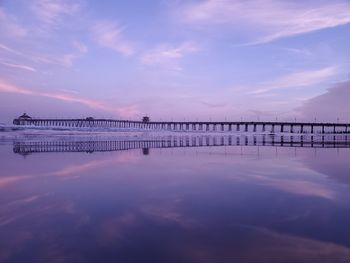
(89, 146)
(175, 199)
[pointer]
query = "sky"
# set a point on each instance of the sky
(175, 59)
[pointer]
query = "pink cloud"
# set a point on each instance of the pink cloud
(6, 87)
(68, 59)
(74, 169)
(169, 55)
(297, 79)
(18, 66)
(125, 111)
(168, 52)
(10, 25)
(91, 165)
(7, 180)
(61, 60)
(109, 34)
(51, 11)
(271, 19)
(330, 105)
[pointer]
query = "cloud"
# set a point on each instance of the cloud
(61, 60)
(10, 50)
(80, 46)
(48, 15)
(18, 66)
(271, 19)
(168, 55)
(298, 51)
(125, 111)
(5, 181)
(333, 104)
(10, 88)
(213, 105)
(6, 87)
(51, 11)
(14, 52)
(108, 34)
(80, 49)
(297, 79)
(10, 25)
(78, 168)
(298, 187)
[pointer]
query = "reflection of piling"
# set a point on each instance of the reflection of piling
(334, 141)
(302, 140)
(145, 151)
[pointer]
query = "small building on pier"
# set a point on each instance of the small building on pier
(146, 119)
(24, 116)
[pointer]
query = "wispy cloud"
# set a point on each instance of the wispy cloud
(270, 19)
(52, 11)
(297, 79)
(299, 187)
(332, 104)
(18, 66)
(10, 26)
(7, 87)
(109, 34)
(5, 181)
(213, 105)
(125, 111)
(80, 49)
(78, 168)
(168, 55)
(10, 50)
(80, 46)
(67, 59)
(298, 51)
(10, 88)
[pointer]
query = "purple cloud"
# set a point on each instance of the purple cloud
(329, 106)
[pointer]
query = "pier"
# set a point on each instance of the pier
(201, 126)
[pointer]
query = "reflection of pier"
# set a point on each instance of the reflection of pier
(26, 147)
(274, 127)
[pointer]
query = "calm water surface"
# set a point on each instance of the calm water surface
(193, 204)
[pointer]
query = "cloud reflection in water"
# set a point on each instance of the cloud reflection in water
(175, 205)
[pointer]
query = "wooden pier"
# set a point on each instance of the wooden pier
(202, 126)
